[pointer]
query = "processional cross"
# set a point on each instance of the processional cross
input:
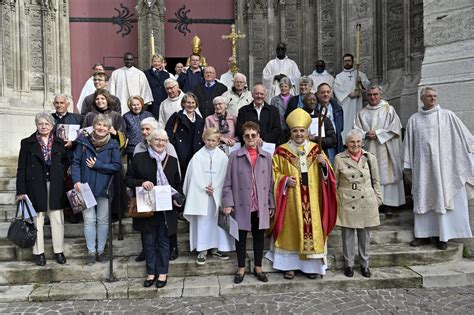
(233, 37)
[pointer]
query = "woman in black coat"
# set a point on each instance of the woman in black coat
(185, 129)
(42, 166)
(145, 171)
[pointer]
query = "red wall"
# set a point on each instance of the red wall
(93, 42)
(216, 50)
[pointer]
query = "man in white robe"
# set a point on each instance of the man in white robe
(89, 87)
(276, 69)
(381, 131)
(439, 156)
(129, 81)
(227, 77)
(203, 189)
(320, 75)
(344, 90)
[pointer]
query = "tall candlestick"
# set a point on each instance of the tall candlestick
(152, 43)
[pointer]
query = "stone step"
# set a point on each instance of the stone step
(7, 212)
(8, 170)
(397, 255)
(447, 274)
(131, 244)
(7, 198)
(210, 285)
(7, 184)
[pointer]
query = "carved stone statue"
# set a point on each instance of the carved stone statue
(197, 50)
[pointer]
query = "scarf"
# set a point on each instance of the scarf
(45, 148)
(356, 157)
(161, 179)
(97, 141)
(223, 124)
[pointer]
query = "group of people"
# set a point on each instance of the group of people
(289, 166)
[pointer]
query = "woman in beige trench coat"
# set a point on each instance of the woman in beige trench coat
(358, 196)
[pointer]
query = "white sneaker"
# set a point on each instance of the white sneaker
(201, 258)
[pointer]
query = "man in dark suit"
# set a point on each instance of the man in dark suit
(207, 91)
(262, 113)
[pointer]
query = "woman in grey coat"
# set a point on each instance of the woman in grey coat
(358, 197)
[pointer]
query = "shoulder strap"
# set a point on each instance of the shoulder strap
(175, 126)
(166, 161)
(370, 169)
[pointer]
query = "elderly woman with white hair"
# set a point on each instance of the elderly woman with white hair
(224, 122)
(239, 95)
(148, 125)
(148, 169)
(359, 197)
(280, 101)
(42, 166)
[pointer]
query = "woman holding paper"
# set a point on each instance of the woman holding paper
(42, 166)
(95, 160)
(155, 167)
(203, 189)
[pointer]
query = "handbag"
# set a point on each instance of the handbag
(22, 232)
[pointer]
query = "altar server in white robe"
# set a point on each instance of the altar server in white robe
(439, 157)
(344, 90)
(203, 189)
(89, 87)
(129, 81)
(381, 131)
(278, 68)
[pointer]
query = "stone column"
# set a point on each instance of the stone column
(35, 65)
(151, 16)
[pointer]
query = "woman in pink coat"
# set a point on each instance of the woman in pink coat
(248, 194)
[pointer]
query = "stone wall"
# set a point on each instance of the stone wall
(35, 65)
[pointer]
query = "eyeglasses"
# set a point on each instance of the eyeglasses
(160, 140)
(250, 135)
(99, 80)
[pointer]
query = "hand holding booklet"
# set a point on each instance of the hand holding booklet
(157, 199)
(228, 224)
(81, 200)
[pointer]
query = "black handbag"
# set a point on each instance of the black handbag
(22, 232)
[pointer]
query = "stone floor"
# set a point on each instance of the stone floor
(458, 300)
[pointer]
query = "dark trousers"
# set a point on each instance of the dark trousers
(157, 250)
(258, 242)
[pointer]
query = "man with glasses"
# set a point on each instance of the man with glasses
(207, 91)
(239, 95)
(263, 114)
(129, 81)
(381, 132)
(89, 86)
(100, 80)
(172, 104)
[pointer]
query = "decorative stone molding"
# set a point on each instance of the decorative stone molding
(151, 16)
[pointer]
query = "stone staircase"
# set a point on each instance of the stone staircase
(393, 263)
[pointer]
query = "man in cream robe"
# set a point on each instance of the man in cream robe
(276, 69)
(303, 177)
(344, 86)
(381, 131)
(207, 167)
(438, 155)
(129, 81)
(320, 75)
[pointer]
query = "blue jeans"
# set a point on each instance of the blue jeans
(96, 223)
(156, 245)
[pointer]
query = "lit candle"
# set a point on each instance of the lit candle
(152, 43)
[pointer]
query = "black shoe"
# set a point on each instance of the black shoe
(348, 272)
(140, 257)
(174, 253)
(60, 258)
(148, 283)
(442, 245)
(161, 284)
(239, 277)
(311, 276)
(420, 242)
(365, 271)
(40, 260)
(261, 276)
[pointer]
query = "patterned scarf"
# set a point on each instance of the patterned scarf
(97, 141)
(223, 124)
(45, 148)
(161, 179)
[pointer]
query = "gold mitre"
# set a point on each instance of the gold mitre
(298, 118)
(196, 42)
